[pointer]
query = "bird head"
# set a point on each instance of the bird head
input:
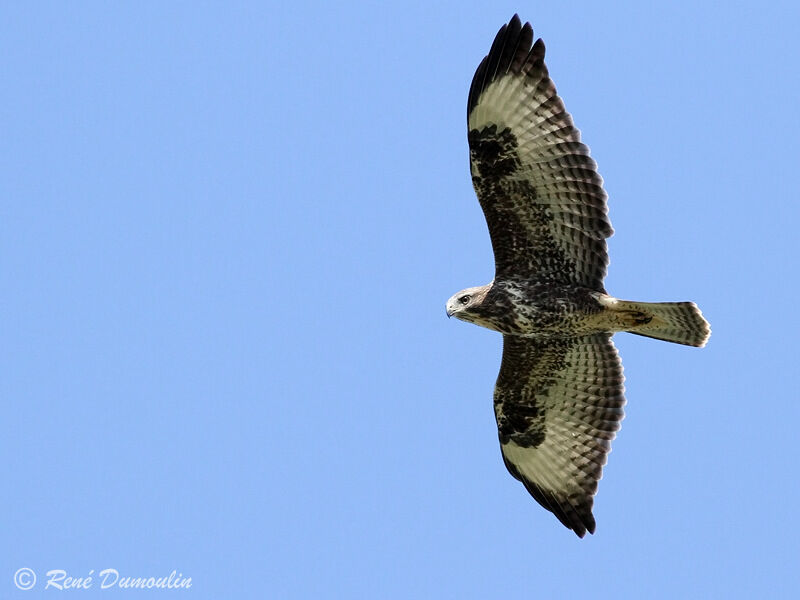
(463, 305)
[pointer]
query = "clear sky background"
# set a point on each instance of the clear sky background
(227, 234)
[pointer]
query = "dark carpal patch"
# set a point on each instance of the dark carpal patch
(524, 423)
(495, 154)
(526, 374)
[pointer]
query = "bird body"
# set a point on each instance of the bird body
(529, 308)
(559, 395)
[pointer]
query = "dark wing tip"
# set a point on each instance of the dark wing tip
(510, 51)
(538, 50)
(577, 517)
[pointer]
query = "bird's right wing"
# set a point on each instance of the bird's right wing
(559, 403)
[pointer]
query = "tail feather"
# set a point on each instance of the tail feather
(678, 322)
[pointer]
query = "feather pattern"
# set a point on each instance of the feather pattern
(559, 403)
(536, 182)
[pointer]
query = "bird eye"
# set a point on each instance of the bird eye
(464, 299)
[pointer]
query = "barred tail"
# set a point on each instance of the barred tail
(678, 322)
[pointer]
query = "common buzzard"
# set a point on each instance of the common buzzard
(559, 395)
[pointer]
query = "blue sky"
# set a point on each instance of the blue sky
(228, 232)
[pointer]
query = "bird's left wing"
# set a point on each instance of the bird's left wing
(559, 403)
(537, 185)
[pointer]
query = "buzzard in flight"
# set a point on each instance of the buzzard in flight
(559, 395)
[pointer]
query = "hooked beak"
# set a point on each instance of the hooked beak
(449, 311)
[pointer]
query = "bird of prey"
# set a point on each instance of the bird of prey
(559, 397)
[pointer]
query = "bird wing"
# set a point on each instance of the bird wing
(539, 189)
(559, 403)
